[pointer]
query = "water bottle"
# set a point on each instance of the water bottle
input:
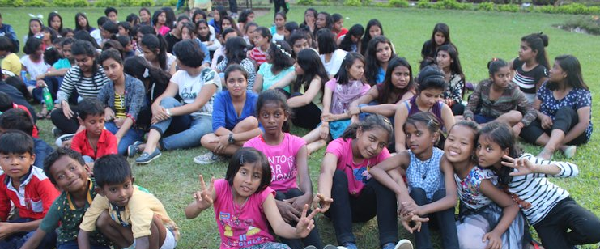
(24, 76)
(48, 99)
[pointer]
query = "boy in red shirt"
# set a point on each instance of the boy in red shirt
(26, 187)
(94, 141)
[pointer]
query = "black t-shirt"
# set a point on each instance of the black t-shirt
(171, 40)
(526, 80)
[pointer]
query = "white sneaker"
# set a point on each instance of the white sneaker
(208, 158)
(404, 244)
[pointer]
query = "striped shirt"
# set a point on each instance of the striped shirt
(258, 55)
(87, 87)
(535, 194)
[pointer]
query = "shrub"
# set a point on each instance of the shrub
(367, 2)
(12, 3)
(37, 3)
(170, 3)
(424, 4)
(486, 6)
(352, 3)
(107, 3)
(63, 3)
(398, 3)
(305, 2)
(326, 2)
(589, 25)
(452, 5)
(508, 7)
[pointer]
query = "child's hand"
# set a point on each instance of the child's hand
(324, 134)
(222, 143)
(410, 207)
(321, 203)
(109, 114)
(5, 230)
(288, 212)
(204, 196)
(493, 239)
(306, 223)
(418, 221)
(522, 165)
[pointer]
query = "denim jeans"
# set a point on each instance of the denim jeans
(17, 240)
(133, 135)
(73, 245)
(313, 238)
(374, 200)
(444, 218)
(190, 137)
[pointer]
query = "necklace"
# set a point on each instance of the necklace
(423, 166)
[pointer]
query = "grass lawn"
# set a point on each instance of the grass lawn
(479, 36)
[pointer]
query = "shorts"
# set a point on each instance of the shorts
(169, 243)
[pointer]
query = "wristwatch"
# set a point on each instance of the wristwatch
(231, 140)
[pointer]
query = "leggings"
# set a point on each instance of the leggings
(564, 119)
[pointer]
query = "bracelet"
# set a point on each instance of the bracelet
(168, 112)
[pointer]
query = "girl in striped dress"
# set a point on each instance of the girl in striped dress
(559, 221)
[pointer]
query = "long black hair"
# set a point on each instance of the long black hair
(374, 121)
(502, 135)
(82, 47)
(311, 64)
(153, 42)
(51, 16)
(236, 49)
(372, 64)
(571, 66)
(442, 28)
(388, 87)
(280, 53)
(357, 30)
(155, 79)
(343, 76)
(367, 37)
(538, 42)
(88, 28)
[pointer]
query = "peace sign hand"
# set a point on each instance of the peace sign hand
(522, 165)
(306, 223)
(204, 196)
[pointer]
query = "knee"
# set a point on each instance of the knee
(247, 124)
(340, 180)
(512, 116)
(169, 102)
(103, 222)
(418, 195)
(294, 192)
(565, 110)
(207, 139)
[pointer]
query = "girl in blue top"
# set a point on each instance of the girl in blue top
(233, 115)
(378, 55)
(279, 67)
(431, 188)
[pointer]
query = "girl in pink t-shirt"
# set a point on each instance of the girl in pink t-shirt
(288, 158)
(347, 85)
(245, 205)
(346, 189)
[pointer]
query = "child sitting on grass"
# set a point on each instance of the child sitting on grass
(94, 141)
(245, 208)
(27, 187)
(66, 170)
(20, 120)
(125, 213)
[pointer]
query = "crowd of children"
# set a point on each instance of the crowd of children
(401, 145)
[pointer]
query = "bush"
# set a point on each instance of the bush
(424, 4)
(508, 7)
(170, 3)
(486, 6)
(398, 3)
(107, 3)
(352, 3)
(37, 3)
(12, 3)
(367, 2)
(589, 25)
(452, 5)
(306, 2)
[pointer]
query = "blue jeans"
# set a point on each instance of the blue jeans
(190, 137)
(73, 245)
(17, 240)
(133, 135)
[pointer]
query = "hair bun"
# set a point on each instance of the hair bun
(430, 72)
(544, 38)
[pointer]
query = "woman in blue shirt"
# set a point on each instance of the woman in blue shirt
(234, 120)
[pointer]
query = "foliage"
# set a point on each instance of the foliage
(589, 24)
(367, 2)
(306, 2)
(508, 7)
(37, 3)
(12, 3)
(398, 3)
(569, 9)
(423, 4)
(107, 3)
(170, 3)
(71, 3)
(326, 2)
(452, 5)
(486, 6)
(352, 3)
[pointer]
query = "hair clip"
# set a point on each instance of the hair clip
(39, 17)
(283, 51)
(242, 159)
(494, 59)
(430, 122)
(56, 11)
(146, 74)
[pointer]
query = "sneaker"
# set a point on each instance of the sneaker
(132, 150)
(146, 158)
(330, 247)
(63, 138)
(570, 151)
(404, 244)
(310, 247)
(56, 132)
(208, 158)
(348, 246)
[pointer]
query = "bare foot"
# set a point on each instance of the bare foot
(314, 146)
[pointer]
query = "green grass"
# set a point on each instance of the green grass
(479, 36)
